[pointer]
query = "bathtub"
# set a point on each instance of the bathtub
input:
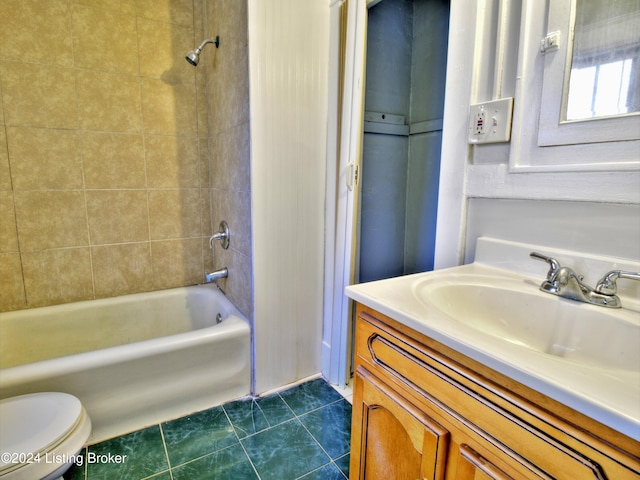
(134, 360)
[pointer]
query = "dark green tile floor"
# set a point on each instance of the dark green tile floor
(299, 433)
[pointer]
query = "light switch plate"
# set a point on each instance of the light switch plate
(490, 122)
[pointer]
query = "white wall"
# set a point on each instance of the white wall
(288, 64)
(598, 212)
(610, 229)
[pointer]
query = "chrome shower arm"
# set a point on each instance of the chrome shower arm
(208, 40)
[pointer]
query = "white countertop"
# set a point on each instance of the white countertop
(608, 395)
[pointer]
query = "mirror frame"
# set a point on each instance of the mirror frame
(541, 142)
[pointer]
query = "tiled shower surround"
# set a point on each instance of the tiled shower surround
(105, 184)
(300, 433)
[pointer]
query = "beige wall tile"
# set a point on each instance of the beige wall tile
(207, 257)
(177, 262)
(170, 11)
(104, 40)
(122, 269)
(11, 286)
(8, 232)
(24, 21)
(172, 162)
(44, 158)
(216, 101)
(113, 160)
(1, 111)
(229, 145)
(230, 159)
(174, 214)
(230, 69)
(238, 286)
(235, 208)
(235, 24)
(234, 106)
(108, 102)
(57, 276)
(198, 15)
(51, 219)
(5, 173)
(117, 216)
(162, 51)
(122, 6)
(208, 228)
(203, 153)
(126, 51)
(202, 108)
(213, 18)
(168, 109)
(49, 100)
(202, 73)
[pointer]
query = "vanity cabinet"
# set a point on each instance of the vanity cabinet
(424, 411)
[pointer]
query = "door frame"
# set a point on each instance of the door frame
(346, 100)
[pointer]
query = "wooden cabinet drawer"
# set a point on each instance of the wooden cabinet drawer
(483, 421)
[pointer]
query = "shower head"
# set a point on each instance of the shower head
(193, 56)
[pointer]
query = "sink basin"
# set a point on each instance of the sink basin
(492, 311)
(522, 315)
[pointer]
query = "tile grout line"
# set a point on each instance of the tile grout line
(319, 444)
(240, 441)
(339, 469)
(254, 404)
(320, 468)
(215, 451)
(166, 452)
(297, 417)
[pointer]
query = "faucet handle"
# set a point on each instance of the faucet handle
(607, 284)
(223, 235)
(554, 265)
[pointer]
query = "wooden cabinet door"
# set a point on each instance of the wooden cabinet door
(391, 438)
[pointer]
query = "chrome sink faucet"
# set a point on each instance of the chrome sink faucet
(564, 282)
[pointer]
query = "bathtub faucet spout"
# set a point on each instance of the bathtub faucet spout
(222, 273)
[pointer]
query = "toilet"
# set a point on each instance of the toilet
(40, 435)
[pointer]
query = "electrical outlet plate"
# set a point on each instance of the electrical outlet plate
(490, 122)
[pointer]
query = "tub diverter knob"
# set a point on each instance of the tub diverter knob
(223, 235)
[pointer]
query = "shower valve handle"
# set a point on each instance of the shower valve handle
(223, 235)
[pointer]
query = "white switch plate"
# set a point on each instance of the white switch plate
(490, 122)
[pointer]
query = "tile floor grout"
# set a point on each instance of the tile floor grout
(295, 417)
(271, 422)
(235, 432)
(166, 452)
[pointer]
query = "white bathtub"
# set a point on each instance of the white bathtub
(133, 360)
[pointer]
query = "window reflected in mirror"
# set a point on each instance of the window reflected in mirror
(605, 64)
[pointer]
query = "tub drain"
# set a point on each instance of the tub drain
(218, 318)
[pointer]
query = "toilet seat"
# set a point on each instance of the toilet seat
(40, 423)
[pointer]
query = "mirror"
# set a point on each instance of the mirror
(605, 63)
